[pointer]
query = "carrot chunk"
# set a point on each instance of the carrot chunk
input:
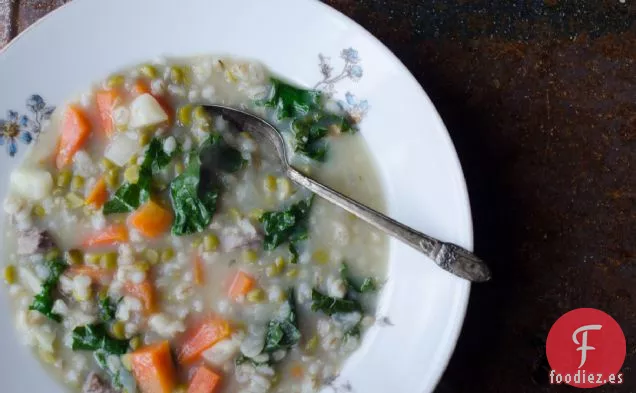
(75, 132)
(95, 273)
(106, 100)
(140, 87)
(98, 195)
(241, 285)
(111, 235)
(199, 271)
(151, 219)
(153, 368)
(204, 381)
(202, 337)
(144, 291)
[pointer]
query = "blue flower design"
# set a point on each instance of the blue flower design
(23, 128)
(357, 109)
(352, 70)
(355, 72)
(350, 55)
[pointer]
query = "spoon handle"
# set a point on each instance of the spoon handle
(448, 256)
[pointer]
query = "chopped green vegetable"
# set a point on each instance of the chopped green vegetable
(127, 198)
(156, 158)
(283, 333)
(353, 332)
(310, 122)
(289, 101)
(331, 305)
(287, 225)
(107, 309)
(95, 337)
(193, 205)
(195, 192)
(294, 253)
(217, 155)
(367, 285)
(121, 379)
(43, 302)
(130, 196)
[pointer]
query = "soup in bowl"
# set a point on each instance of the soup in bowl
(153, 247)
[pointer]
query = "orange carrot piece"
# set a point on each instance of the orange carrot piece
(106, 100)
(167, 107)
(95, 273)
(151, 219)
(297, 371)
(140, 87)
(75, 132)
(153, 368)
(145, 291)
(199, 271)
(111, 235)
(202, 337)
(114, 234)
(241, 285)
(204, 381)
(98, 195)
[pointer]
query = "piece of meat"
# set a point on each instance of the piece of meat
(95, 384)
(243, 235)
(33, 240)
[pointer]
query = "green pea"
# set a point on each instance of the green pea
(184, 115)
(152, 256)
(115, 81)
(210, 242)
(10, 274)
(148, 70)
(74, 257)
(77, 183)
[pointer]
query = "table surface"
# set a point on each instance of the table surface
(539, 97)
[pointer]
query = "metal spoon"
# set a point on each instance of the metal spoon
(448, 256)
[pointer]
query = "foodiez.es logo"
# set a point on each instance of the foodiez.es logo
(586, 348)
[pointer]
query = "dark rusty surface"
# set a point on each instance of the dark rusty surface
(540, 100)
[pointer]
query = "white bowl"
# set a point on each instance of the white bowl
(422, 307)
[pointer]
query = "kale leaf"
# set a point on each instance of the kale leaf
(310, 132)
(283, 333)
(193, 204)
(121, 379)
(354, 331)
(289, 101)
(95, 337)
(331, 305)
(367, 285)
(310, 121)
(195, 192)
(130, 196)
(294, 253)
(107, 309)
(127, 198)
(43, 301)
(287, 225)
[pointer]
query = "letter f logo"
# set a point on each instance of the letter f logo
(584, 347)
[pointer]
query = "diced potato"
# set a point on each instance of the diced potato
(121, 149)
(146, 111)
(45, 339)
(32, 184)
(28, 277)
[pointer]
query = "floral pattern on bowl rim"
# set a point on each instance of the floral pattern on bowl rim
(24, 128)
